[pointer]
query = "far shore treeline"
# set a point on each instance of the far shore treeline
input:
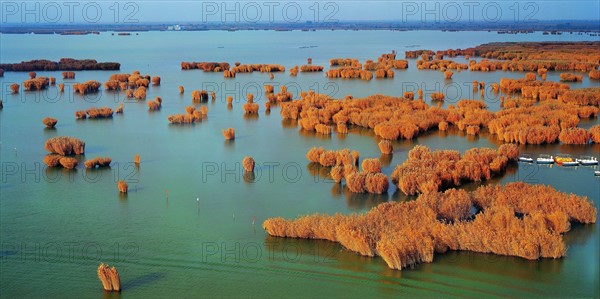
(65, 64)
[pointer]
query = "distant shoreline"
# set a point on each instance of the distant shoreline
(502, 27)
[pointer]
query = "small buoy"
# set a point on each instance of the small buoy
(197, 199)
(254, 220)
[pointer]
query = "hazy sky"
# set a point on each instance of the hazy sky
(246, 11)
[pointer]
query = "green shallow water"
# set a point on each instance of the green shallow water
(57, 225)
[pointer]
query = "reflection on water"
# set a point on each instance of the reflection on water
(336, 189)
(363, 201)
(252, 117)
(249, 177)
(142, 281)
(289, 123)
(386, 159)
(579, 234)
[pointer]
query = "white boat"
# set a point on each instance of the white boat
(597, 173)
(545, 159)
(526, 158)
(587, 160)
(569, 163)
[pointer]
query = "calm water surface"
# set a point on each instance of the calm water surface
(57, 225)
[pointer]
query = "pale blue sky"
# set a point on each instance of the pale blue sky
(246, 11)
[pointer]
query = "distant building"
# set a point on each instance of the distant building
(174, 28)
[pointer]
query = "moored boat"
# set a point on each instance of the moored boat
(569, 163)
(565, 160)
(545, 159)
(526, 158)
(587, 160)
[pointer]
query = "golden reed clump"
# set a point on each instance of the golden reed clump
(351, 62)
(332, 158)
(370, 180)
(342, 128)
(49, 122)
(385, 146)
(39, 83)
(139, 93)
(199, 96)
(119, 109)
(390, 118)
(594, 75)
(68, 75)
(52, 160)
(437, 96)
(581, 97)
(349, 73)
(425, 171)
(384, 73)
(181, 89)
(409, 232)
(64, 145)
(98, 162)
(102, 112)
(263, 68)
(574, 136)
(323, 129)
(448, 74)
(80, 114)
(191, 116)
(371, 166)
(228, 74)
(122, 186)
(136, 159)
(525, 123)
(248, 164)
(269, 88)
(569, 77)
(229, 133)
(443, 126)
(311, 68)
(376, 183)
(32, 75)
(595, 133)
(156, 104)
(206, 66)
(86, 87)
(68, 162)
(156, 80)
(294, 71)
(250, 107)
(14, 88)
(282, 96)
(109, 278)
